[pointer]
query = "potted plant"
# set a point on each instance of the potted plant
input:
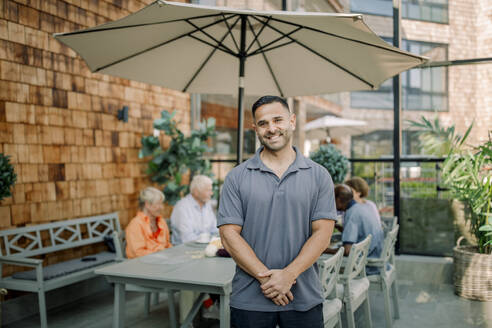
(7, 176)
(333, 160)
(183, 156)
(467, 173)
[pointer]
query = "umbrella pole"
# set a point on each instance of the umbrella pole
(240, 107)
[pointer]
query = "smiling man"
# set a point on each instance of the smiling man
(276, 217)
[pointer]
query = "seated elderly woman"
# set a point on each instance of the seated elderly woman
(360, 189)
(147, 232)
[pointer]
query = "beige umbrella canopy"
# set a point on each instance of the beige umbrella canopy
(215, 50)
(330, 121)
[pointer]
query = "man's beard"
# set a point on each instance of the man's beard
(284, 135)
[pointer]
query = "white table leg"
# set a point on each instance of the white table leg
(225, 312)
(119, 306)
(172, 309)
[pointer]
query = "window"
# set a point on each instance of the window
(379, 143)
(425, 10)
(225, 142)
(422, 89)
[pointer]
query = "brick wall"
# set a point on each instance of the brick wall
(58, 121)
(226, 116)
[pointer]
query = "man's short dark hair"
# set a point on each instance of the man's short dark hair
(265, 100)
(343, 193)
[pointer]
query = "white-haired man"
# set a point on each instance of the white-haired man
(193, 215)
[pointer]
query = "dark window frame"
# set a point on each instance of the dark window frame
(386, 88)
(404, 10)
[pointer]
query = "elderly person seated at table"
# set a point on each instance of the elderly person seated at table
(360, 189)
(359, 222)
(147, 232)
(193, 215)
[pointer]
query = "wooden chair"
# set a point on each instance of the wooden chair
(388, 223)
(354, 285)
(332, 305)
(386, 279)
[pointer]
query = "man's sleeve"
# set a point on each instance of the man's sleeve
(325, 204)
(230, 205)
(182, 225)
(350, 231)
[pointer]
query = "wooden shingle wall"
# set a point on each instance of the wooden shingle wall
(58, 121)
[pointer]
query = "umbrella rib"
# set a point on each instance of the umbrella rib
(258, 35)
(219, 44)
(321, 56)
(230, 32)
(214, 46)
(207, 59)
(154, 47)
(261, 49)
(136, 25)
(348, 39)
(270, 49)
(266, 60)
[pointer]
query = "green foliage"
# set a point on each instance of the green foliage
(435, 139)
(468, 175)
(184, 155)
(333, 160)
(7, 176)
(466, 172)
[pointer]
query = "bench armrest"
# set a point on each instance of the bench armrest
(118, 246)
(21, 261)
(26, 262)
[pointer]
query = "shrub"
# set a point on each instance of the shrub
(333, 160)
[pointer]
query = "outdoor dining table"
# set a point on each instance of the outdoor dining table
(182, 267)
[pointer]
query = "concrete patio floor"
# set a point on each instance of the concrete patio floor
(421, 305)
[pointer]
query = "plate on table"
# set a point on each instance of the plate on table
(198, 241)
(159, 258)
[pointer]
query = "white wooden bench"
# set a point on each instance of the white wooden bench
(17, 246)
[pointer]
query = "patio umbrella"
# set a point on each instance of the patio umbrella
(322, 127)
(216, 50)
(330, 121)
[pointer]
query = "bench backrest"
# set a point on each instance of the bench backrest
(52, 237)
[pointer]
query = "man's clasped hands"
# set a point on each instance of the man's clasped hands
(276, 285)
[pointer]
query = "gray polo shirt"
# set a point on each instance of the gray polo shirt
(359, 222)
(276, 215)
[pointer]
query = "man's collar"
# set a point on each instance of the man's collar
(256, 162)
(350, 204)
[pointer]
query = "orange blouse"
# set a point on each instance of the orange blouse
(140, 240)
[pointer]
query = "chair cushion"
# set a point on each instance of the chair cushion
(331, 308)
(67, 267)
(357, 287)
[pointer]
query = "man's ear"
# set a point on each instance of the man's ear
(293, 120)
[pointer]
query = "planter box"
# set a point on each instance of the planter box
(472, 273)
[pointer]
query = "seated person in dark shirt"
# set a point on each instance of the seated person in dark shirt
(359, 222)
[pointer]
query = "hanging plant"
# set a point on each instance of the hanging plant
(7, 176)
(333, 160)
